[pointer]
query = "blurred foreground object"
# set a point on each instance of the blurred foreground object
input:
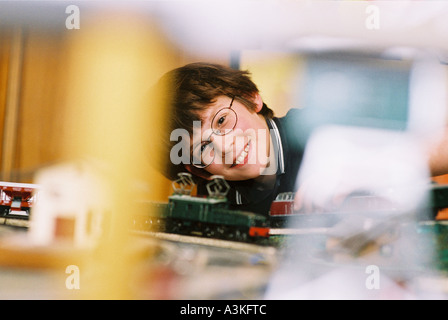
(375, 182)
(344, 162)
(112, 64)
(83, 218)
(365, 178)
(72, 208)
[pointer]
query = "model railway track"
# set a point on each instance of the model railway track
(210, 242)
(22, 223)
(299, 231)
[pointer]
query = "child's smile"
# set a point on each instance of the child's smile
(243, 157)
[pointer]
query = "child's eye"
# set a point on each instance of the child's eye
(203, 154)
(224, 121)
(221, 120)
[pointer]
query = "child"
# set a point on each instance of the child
(219, 125)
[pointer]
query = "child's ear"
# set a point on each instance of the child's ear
(258, 101)
(198, 172)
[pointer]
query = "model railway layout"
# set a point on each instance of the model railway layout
(211, 217)
(206, 216)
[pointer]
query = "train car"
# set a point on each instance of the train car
(204, 216)
(17, 199)
(281, 209)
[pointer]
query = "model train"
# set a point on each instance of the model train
(17, 199)
(282, 208)
(208, 216)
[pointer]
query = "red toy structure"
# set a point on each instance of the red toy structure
(281, 209)
(17, 199)
(283, 205)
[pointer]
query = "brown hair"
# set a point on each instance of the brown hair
(191, 89)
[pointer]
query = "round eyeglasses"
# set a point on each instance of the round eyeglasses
(223, 122)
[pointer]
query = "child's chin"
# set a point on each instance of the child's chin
(252, 172)
(242, 176)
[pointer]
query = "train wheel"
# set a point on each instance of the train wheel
(237, 235)
(209, 232)
(220, 232)
(180, 228)
(174, 227)
(4, 211)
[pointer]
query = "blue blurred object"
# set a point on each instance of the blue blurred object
(356, 90)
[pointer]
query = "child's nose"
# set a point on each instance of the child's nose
(227, 146)
(223, 144)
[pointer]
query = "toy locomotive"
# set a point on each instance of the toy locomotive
(17, 199)
(202, 216)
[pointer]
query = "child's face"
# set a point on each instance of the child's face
(242, 153)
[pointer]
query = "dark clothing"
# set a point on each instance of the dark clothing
(256, 196)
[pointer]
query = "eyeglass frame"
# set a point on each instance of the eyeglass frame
(218, 134)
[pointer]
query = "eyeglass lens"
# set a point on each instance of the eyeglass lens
(203, 155)
(223, 122)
